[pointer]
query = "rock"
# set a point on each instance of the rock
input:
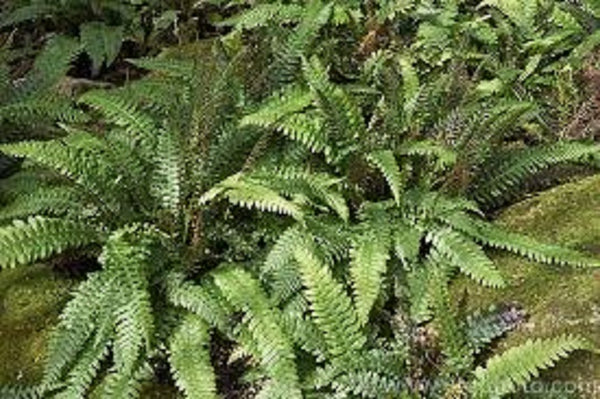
(557, 299)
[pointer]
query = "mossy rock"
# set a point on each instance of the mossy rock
(31, 299)
(557, 299)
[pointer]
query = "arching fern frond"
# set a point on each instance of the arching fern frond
(38, 238)
(386, 162)
(245, 192)
(514, 169)
(286, 102)
(125, 115)
(505, 373)
(369, 257)
(316, 186)
(497, 237)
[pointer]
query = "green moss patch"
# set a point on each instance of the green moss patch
(557, 299)
(30, 301)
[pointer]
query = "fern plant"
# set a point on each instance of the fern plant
(132, 195)
(316, 222)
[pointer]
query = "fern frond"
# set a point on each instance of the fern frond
(288, 101)
(288, 54)
(80, 157)
(189, 358)
(42, 108)
(308, 130)
(406, 241)
(496, 237)
(168, 181)
(505, 373)
(467, 256)
(50, 65)
(509, 174)
(247, 193)
(264, 14)
(38, 238)
(331, 307)
(262, 321)
(369, 256)
(43, 200)
(386, 162)
(101, 42)
(88, 308)
(125, 115)
(203, 300)
(299, 182)
(342, 116)
(179, 68)
(443, 156)
(484, 327)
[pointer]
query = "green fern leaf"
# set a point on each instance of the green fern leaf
(189, 358)
(386, 162)
(467, 256)
(508, 175)
(331, 307)
(125, 115)
(38, 238)
(505, 373)
(247, 193)
(262, 321)
(497, 237)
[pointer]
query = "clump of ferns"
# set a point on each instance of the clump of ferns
(334, 278)
(130, 194)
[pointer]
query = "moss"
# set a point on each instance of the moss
(30, 301)
(557, 299)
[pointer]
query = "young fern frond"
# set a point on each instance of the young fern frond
(262, 321)
(467, 256)
(513, 170)
(484, 327)
(170, 173)
(38, 238)
(189, 359)
(505, 373)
